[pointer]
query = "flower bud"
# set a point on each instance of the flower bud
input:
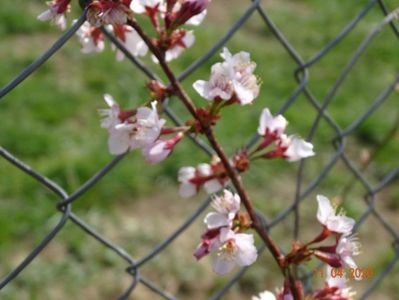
(188, 9)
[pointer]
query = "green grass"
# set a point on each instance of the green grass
(51, 122)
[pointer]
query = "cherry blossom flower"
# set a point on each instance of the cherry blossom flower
(291, 148)
(233, 249)
(337, 223)
(131, 40)
(347, 247)
(161, 149)
(227, 206)
(104, 12)
(91, 38)
(128, 132)
(266, 295)
(271, 126)
(56, 13)
(232, 78)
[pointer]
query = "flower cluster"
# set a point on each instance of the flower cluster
(231, 80)
(139, 128)
(336, 256)
(115, 15)
(224, 236)
(337, 224)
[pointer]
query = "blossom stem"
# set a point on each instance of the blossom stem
(232, 173)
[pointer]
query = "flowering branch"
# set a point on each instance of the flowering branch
(231, 81)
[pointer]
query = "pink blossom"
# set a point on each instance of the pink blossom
(327, 216)
(233, 77)
(187, 187)
(56, 12)
(161, 149)
(91, 38)
(130, 130)
(233, 249)
(227, 206)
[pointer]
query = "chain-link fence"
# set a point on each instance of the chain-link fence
(320, 106)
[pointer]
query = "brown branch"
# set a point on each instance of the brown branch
(234, 176)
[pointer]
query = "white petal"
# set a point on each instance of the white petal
(266, 295)
(201, 87)
(216, 220)
(109, 100)
(222, 265)
(189, 39)
(212, 186)
(247, 253)
(340, 224)
(186, 173)
(46, 15)
(197, 19)
(204, 169)
(118, 143)
(156, 152)
(264, 121)
(187, 190)
(226, 55)
(243, 94)
(325, 209)
(298, 149)
(348, 260)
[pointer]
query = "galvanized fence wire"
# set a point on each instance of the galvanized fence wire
(301, 75)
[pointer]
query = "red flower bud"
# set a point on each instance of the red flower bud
(332, 259)
(189, 9)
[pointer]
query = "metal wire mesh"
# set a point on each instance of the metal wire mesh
(133, 266)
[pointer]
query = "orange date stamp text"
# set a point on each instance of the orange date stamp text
(348, 273)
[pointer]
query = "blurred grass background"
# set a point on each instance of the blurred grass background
(51, 122)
